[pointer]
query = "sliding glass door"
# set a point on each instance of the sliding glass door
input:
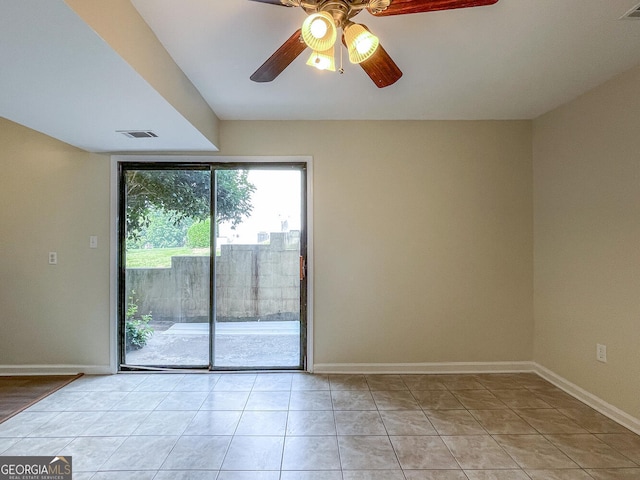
(165, 281)
(211, 262)
(258, 271)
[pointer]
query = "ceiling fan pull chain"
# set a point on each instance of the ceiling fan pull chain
(340, 70)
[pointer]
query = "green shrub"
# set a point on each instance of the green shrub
(137, 329)
(199, 234)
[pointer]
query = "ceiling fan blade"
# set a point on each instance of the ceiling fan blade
(403, 7)
(381, 68)
(281, 59)
(273, 2)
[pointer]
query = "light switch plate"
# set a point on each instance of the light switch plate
(93, 241)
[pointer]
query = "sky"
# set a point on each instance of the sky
(277, 198)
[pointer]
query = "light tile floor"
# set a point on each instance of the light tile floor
(295, 426)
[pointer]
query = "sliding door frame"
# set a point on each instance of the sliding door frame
(275, 166)
(202, 162)
(124, 167)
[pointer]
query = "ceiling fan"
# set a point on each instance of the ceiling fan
(319, 32)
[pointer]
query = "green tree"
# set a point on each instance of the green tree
(162, 231)
(185, 194)
(234, 196)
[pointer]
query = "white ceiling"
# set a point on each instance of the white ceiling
(513, 60)
(57, 76)
(516, 59)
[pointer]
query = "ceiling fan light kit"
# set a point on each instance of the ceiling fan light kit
(319, 32)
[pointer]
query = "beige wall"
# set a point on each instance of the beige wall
(587, 241)
(52, 198)
(423, 241)
(423, 236)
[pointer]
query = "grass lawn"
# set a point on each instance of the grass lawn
(159, 257)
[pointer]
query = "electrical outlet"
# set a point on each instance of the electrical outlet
(53, 258)
(601, 353)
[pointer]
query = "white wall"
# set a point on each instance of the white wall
(52, 197)
(587, 241)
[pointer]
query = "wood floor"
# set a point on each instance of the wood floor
(20, 392)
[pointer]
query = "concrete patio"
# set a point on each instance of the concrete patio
(237, 344)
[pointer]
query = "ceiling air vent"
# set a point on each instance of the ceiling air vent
(634, 13)
(137, 133)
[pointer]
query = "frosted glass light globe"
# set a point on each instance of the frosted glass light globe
(322, 63)
(363, 45)
(319, 31)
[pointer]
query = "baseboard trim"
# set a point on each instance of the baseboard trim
(572, 389)
(55, 369)
(605, 408)
(424, 368)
